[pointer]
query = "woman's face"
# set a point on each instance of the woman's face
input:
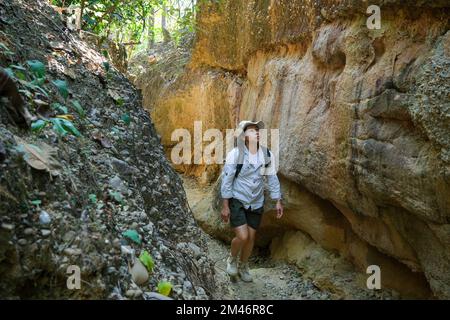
(252, 133)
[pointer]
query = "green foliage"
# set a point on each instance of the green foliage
(78, 108)
(62, 87)
(93, 198)
(106, 65)
(64, 127)
(116, 196)
(126, 118)
(38, 125)
(37, 68)
(135, 21)
(59, 107)
(164, 287)
(147, 260)
(36, 202)
(132, 235)
(10, 72)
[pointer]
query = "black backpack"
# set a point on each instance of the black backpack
(240, 162)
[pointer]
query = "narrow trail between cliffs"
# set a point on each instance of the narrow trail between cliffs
(271, 279)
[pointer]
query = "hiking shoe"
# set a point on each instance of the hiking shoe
(232, 266)
(244, 272)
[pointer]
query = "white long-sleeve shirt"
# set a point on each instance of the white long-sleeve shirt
(248, 187)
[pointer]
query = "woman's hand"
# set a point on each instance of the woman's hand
(279, 208)
(225, 211)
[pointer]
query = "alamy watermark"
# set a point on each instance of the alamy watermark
(192, 150)
(374, 21)
(374, 281)
(74, 279)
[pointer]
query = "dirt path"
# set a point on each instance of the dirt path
(271, 280)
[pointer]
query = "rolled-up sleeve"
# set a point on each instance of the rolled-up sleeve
(273, 184)
(228, 172)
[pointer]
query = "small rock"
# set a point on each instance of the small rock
(310, 292)
(22, 242)
(139, 273)
(126, 250)
(129, 293)
(195, 249)
(200, 291)
(69, 236)
(44, 217)
(177, 289)
(8, 226)
(116, 243)
(28, 231)
(45, 232)
(117, 184)
(123, 168)
(134, 226)
(111, 270)
(149, 228)
(155, 296)
(187, 286)
(72, 252)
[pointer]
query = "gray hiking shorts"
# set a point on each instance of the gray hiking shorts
(240, 216)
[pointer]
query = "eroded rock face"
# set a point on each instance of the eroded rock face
(364, 118)
(86, 202)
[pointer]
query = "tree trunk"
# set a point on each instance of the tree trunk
(83, 5)
(166, 35)
(151, 29)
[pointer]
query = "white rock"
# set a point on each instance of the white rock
(8, 226)
(28, 231)
(44, 217)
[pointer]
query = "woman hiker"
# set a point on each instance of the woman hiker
(242, 191)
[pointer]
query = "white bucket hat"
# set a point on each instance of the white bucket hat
(244, 124)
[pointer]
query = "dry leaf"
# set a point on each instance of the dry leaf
(39, 156)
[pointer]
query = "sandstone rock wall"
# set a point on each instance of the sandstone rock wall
(364, 120)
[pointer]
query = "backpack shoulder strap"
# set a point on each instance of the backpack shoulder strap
(266, 153)
(240, 162)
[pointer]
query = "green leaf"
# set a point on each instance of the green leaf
(164, 287)
(27, 93)
(34, 87)
(78, 108)
(62, 88)
(38, 125)
(117, 196)
(36, 202)
(63, 127)
(59, 107)
(20, 75)
(132, 235)
(147, 260)
(68, 125)
(126, 118)
(37, 67)
(10, 72)
(58, 128)
(93, 198)
(18, 67)
(38, 81)
(106, 66)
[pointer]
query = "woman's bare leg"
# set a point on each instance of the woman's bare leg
(247, 246)
(239, 240)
